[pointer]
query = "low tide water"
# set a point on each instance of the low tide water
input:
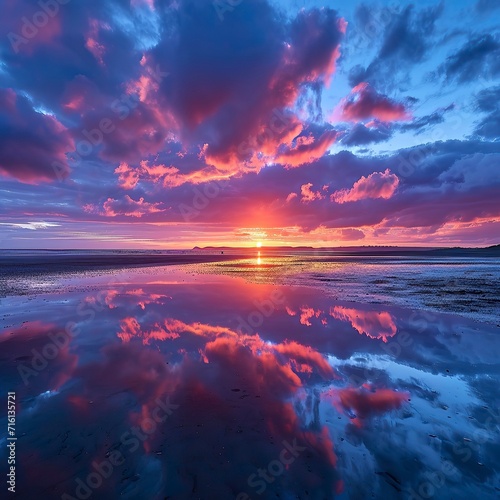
(268, 377)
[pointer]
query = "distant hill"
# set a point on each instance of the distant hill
(492, 251)
(254, 248)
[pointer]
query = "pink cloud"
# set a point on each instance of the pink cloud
(366, 401)
(126, 207)
(127, 177)
(309, 195)
(198, 329)
(130, 328)
(306, 313)
(92, 43)
(306, 358)
(167, 176)
(256, 137)
(148, 83)
(364, 103)
(306, 150)
(376, 185)
(374, 324)
(82, 95)
(259, 148)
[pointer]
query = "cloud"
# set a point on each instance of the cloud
(405, 41)
(125, 207)
(32, 144)
(306, 150)
(128, 177)
(33, 226)
(22, 343)
(422, 123)
(488, 101)
(305, 355)
(131, 329)
(489, 127)
(351, 234)
(375, 324)
(242, 72)
(471, 172)
(364, 103)
(478, 57)
(309, 195)
(366, 403)
(376, 185)
(360, 134)
(241, 103)
(250, 72)
(484, 6)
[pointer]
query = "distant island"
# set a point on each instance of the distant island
(491, 251)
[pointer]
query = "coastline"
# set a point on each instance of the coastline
(22, 265)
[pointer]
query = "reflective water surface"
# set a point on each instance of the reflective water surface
(198, 382)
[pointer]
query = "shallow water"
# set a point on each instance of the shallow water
(468, 286)
(271, 378)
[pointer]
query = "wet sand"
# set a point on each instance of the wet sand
(373, 399)
(12, 265)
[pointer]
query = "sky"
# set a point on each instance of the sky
(162, 124)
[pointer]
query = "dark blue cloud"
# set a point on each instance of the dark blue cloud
(239, 71)
(420, 124)
(484, 6)
(32, 144)
(489, 127)
(488, 100)
(406, 40)
(361, 135)
(478, 57)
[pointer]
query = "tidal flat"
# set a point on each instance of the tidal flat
(255, 376)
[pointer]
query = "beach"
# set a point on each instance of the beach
(230, 376)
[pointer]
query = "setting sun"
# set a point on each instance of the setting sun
(259, 244)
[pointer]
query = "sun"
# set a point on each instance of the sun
(259, 244)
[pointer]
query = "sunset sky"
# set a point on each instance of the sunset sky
(175, 123)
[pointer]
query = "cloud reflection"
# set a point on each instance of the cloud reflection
(239, 396)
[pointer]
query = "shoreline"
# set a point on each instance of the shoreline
(23, 265)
